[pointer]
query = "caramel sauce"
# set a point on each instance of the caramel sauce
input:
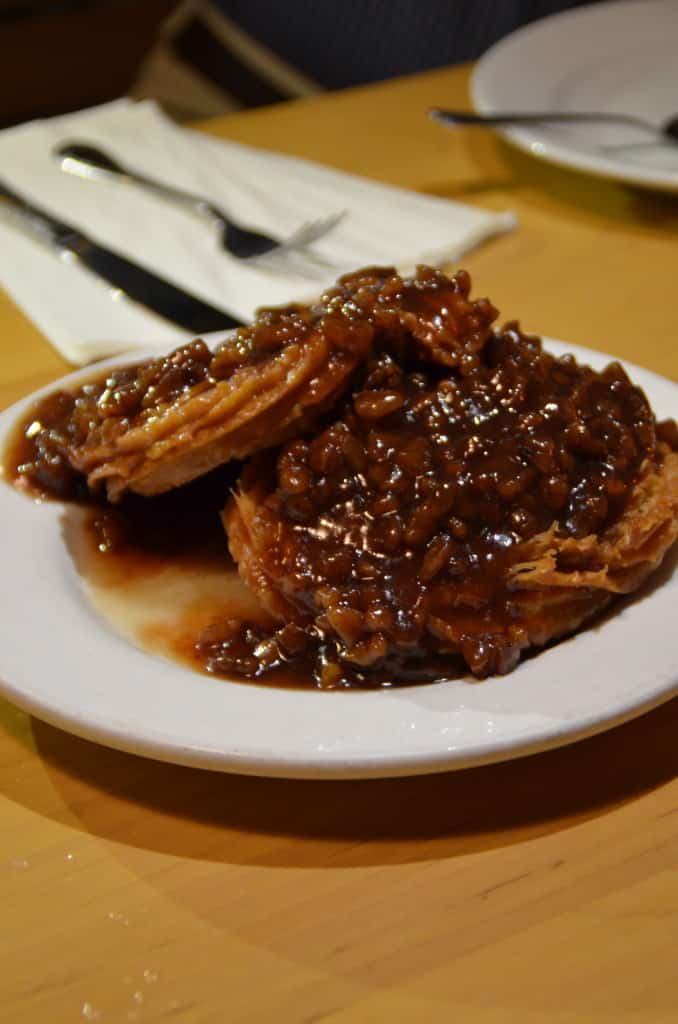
(388, 532)
(404, 516)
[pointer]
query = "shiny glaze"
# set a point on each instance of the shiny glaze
(402, 517)
(390, 528)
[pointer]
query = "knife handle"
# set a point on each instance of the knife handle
(40, 223)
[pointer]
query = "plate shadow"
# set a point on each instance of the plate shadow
(231, 819)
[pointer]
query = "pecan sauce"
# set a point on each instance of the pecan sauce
(382, 532)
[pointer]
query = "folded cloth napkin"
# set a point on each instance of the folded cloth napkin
(263, 190)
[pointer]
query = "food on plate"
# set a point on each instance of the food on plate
(420, 490)
(158, 425)
(473, 515)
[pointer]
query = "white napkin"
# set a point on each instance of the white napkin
(264, 190)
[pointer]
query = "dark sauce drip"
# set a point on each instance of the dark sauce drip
(181, 525)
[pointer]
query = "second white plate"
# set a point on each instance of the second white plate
(620, 57)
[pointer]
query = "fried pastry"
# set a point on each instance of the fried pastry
(472, 514)
(158, 425)
(420, 490)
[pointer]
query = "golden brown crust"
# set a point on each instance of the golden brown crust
(619, 560)
(283, 371)
(549, 600)
(243, 529)
(256, 407)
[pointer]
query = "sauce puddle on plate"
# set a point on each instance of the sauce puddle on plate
(158, 570)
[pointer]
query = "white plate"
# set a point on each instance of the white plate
(620, 57)
(61, 662)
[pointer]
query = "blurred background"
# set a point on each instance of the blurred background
(201, 58)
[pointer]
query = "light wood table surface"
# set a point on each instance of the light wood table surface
(541, 890)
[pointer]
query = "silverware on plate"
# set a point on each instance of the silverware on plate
(137, 283)
(93, 163)
(667, 131)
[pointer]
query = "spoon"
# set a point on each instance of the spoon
(666, 131)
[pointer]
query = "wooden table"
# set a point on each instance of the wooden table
(543, 889)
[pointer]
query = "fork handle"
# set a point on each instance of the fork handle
(194, 202)
(536, 117)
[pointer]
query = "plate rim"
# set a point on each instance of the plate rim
(531, 140)
(327, 764)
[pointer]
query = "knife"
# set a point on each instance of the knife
(137, 283)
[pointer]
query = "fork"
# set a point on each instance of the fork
(667, 130)
(90, 162)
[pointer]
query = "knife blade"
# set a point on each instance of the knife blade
(137, 283)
